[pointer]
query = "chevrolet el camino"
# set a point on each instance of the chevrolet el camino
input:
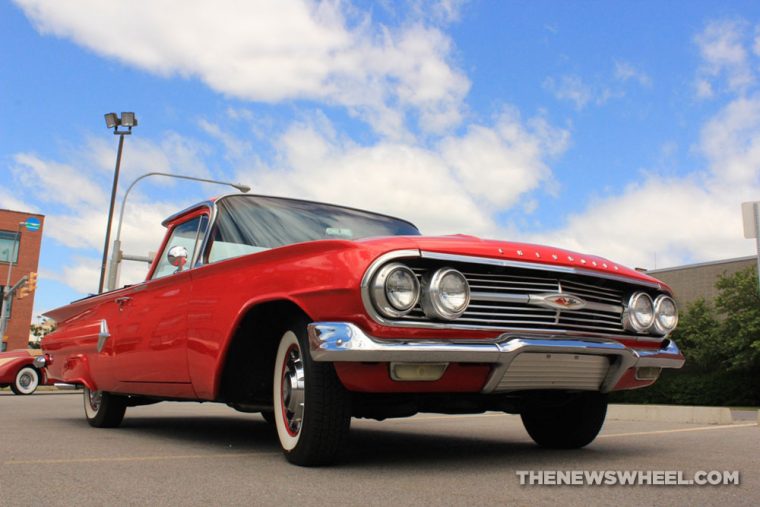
(312, 314)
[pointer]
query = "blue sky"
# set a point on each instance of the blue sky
(629, 130)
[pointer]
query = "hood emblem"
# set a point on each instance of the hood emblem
(558, 301)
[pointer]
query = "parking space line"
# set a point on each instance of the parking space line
(679, 430)
(136, 458)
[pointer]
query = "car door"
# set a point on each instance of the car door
(150, 338)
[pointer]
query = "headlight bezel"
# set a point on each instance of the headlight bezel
(630, 321)
(431, 300)
(657, 327)
(379, 290)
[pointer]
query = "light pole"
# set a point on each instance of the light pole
(117, 256)
(113, 121)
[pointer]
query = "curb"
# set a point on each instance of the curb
(672, 413)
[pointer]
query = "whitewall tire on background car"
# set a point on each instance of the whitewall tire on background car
(26, 382)
(312, 410)
(103, 410)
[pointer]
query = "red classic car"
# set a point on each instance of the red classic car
(313, 314)
(18, 371)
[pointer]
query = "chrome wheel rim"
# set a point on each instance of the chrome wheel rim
(292, 389)
(94, 399)
(25, 380)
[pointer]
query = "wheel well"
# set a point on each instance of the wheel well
(247, 374)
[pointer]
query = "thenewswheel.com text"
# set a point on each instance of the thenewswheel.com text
(627, 478)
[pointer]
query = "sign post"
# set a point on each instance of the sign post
(751, 221)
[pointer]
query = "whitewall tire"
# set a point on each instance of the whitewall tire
(312, 409)
(103, 410)
(26, 381)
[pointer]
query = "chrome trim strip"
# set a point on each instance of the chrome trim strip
(532, 265)
(201, 258)
(500, 297)
(198, 205)
(343, 341)
(103, 335)
(66, 387)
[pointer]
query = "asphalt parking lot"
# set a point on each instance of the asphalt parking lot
(208, 454)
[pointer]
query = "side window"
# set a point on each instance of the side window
(188, 234)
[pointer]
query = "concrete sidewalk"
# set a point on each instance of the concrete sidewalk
(681, 414)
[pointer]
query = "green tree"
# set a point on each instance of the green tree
(721, 343)
(738, 305)
(698, 336)
(38, 330)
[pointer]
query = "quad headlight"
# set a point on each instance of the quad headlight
(639, 315)
(395, 290)
(643, 315)
(445, 294)
(665, 315)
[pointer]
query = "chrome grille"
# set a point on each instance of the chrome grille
(555, 371)
(500, 300)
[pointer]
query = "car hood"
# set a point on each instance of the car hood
(507, 250)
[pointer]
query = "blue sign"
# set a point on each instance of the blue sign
(32, 224)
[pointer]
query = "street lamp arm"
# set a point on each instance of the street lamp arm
(116, 256)
(242, 188)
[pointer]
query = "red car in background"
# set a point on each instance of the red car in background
(18, 371)
(312, 314)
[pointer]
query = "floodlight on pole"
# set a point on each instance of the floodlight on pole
(117, 255)
(127, 120)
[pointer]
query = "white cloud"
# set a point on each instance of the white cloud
(278, 50)
(721, 46)
(456, 186)
(62, 183)
(77, 192)
(625, 71)
(9, 200)
(704, 89)
(686, 219)
(570, 88)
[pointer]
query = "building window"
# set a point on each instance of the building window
(9, 246)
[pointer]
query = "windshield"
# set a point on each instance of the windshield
(247, 224)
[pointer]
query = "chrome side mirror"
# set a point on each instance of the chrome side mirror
(177, 256)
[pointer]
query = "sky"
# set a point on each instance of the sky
(629, 130)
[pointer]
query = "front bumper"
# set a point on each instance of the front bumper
(555, 362)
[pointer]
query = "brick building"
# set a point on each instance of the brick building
(693, 281)
(19, 251)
